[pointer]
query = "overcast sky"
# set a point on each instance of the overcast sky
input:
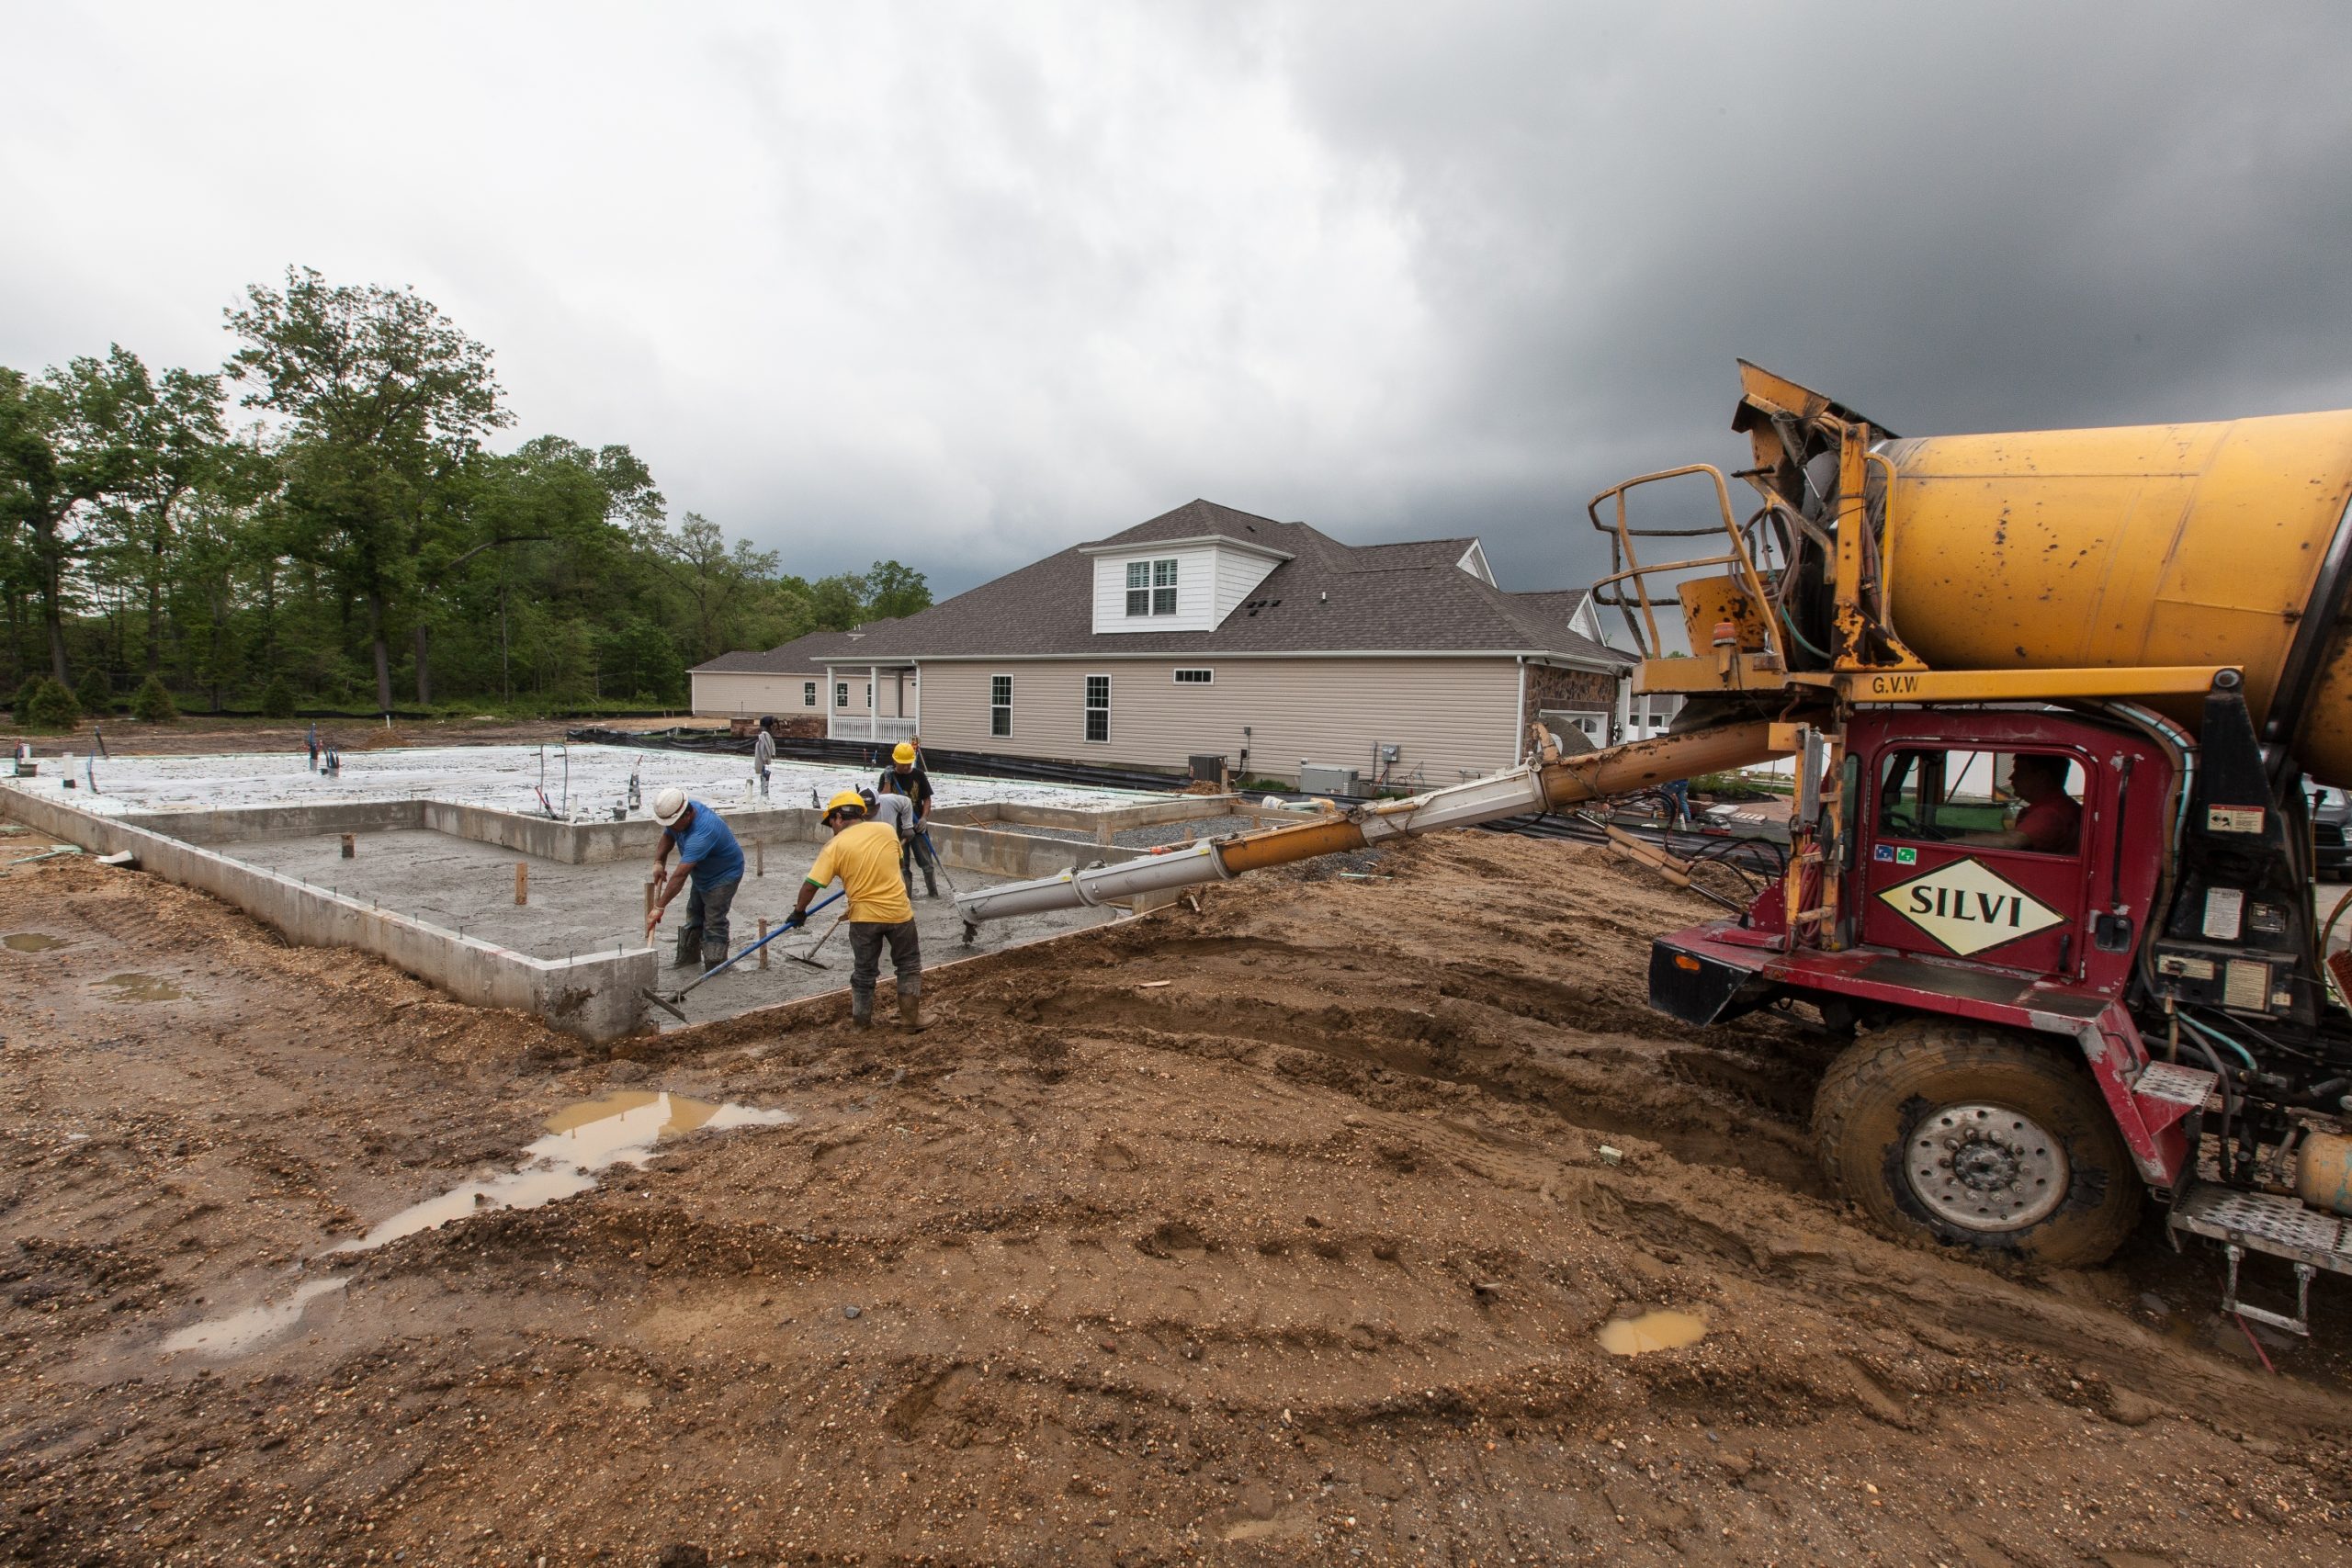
(966, 284)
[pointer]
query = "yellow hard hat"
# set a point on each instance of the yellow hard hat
(848, 800)
(902, 753)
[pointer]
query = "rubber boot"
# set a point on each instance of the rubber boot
(911, 1012)
(714, 953)
(861, 1009)
(689, 950)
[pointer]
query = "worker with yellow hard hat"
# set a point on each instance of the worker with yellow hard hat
(905, 776)
(863, 854)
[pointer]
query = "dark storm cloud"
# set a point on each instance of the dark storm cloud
(965, 285)
(1952, 218)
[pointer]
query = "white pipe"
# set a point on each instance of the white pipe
(1097, 885)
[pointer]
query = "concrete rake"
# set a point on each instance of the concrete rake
(669, 1004)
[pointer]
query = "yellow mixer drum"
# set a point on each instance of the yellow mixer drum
(2145, 545)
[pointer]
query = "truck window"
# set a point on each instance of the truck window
(2016, 800)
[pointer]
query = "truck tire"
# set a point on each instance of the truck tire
(1976, 1137)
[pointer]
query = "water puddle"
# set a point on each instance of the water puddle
(1660, 1330)
(240, 1331)
(143, 988)
(30, 942)
(581, 1141)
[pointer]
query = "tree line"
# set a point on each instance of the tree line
(322, 522)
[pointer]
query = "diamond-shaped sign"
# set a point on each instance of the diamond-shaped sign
(1967, 906)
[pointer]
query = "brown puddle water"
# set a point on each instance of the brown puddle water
(581, 1140)
(144, 987)
(1660, 1330)
(30, 942)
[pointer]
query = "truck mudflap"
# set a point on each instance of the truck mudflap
(2263, 1222)
(1702, 988)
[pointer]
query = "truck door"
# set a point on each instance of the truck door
(1978, 854)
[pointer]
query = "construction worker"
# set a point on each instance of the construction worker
(865, 854)
(763, 751)
(899, 813)
(708, 854)
(905, 776)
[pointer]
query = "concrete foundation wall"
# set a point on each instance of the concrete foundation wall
(594, 996)
(243, 824)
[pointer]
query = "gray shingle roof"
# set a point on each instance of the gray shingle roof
(1329, 598)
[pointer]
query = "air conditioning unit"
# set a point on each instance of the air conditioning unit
(1323, 778)
(1206, 767)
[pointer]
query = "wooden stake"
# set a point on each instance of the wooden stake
(350, 845)
(522, 882)
(759, 863)
(763, 936)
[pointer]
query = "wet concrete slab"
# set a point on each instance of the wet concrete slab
(572, 910)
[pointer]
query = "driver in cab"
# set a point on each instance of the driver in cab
(2052, 822)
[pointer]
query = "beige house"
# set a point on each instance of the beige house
(1208, 631)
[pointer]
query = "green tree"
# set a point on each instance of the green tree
(892, 590)
(152, 704)
(62, 447)
(384, 400)
(171, 437)
(837, 603)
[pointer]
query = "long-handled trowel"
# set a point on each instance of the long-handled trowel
(669, 1004)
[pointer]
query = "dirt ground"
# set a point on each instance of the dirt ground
(1279, 1232)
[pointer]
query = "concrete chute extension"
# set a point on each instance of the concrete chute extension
(1549, 784)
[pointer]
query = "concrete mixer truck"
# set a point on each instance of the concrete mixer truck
(2054, 699)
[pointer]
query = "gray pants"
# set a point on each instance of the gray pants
(705, 933)
(913, 852)
(866, 941)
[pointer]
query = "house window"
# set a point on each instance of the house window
(1151, 587)
(1001, 704)
(1098, 707)
(807, 694)
(841, 693)
(1194, 677)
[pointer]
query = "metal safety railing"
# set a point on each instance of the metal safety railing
(1626, 589)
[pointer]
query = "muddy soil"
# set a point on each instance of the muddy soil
(1279, 1232)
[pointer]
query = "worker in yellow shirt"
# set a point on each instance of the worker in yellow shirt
(864, 856)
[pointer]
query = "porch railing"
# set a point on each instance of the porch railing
(857, 727)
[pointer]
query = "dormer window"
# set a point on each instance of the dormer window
(1151, 587)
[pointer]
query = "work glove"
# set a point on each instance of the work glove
(793, 921)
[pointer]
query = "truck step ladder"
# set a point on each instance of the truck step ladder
(2258, 1222)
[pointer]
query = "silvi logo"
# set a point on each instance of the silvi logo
(1967, 908)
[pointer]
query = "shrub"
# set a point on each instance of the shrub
(278, 698)
(45, 705)
(95, 692)
(152, 702)
(22, 701)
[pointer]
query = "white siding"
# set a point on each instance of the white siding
(1237, 571)
(748, 696)
(1195, 596)
(1450, 717)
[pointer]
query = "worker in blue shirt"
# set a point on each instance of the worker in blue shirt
(708, 853)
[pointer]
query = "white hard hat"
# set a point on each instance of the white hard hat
(669, 805)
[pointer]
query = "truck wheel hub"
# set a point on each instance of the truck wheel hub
(1985, 1168)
